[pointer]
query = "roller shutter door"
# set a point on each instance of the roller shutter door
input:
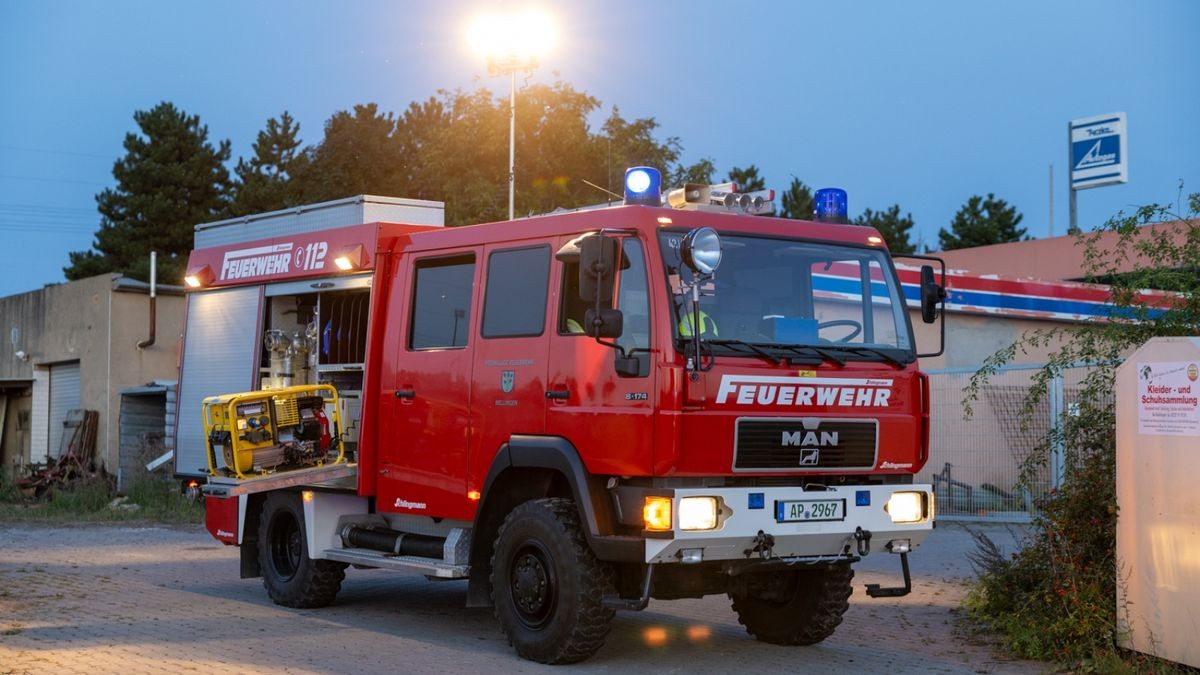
(64, 397)
(220, 350)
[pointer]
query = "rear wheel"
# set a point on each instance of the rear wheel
(801, 607)
(547, 586)
(291, 577)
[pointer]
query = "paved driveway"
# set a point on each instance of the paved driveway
(109, 599)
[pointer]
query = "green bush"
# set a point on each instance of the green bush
(1056, 598)
(161, 500)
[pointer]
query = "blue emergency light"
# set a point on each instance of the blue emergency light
(643, 185)
(831, 206)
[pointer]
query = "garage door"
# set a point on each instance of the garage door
(64, 396)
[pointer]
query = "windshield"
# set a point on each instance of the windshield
(786, 293)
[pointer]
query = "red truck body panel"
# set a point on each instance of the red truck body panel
(429, 453)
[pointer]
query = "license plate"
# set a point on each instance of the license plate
(809, 510)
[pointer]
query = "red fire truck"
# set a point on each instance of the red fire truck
(575, 412)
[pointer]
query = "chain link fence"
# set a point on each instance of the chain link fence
(975, 464)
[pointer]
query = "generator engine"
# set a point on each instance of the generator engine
(265, 431)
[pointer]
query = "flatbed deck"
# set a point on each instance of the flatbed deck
(343, 475)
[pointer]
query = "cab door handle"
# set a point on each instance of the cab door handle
(558, 394)
(406, 393)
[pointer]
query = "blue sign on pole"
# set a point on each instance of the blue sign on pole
(1099, 151)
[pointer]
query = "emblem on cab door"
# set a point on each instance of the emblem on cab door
(507, 379)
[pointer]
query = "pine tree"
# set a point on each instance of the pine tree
(982, 222)
(797, 201)
(747, 179)
(894, 228)
(170, 179)
(359, 155)
(264, 181)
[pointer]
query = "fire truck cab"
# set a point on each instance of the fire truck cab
(575, 412)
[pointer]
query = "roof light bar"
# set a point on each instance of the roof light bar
(643, 185)
(831, 206)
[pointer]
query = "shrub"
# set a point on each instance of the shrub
(1056, 598)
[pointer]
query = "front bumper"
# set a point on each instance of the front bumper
(738, 532)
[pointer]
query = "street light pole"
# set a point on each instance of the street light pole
(512, 140)
(510, 44)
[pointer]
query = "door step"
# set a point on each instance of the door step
(411, 563)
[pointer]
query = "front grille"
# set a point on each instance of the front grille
(804, 444)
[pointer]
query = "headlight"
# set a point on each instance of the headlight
(656, 513)
(908, 507)
(698, 513)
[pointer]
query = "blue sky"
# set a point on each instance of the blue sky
(917, 103)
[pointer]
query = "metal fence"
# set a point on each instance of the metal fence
(975, 464)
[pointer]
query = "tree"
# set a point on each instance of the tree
(264, 183)
(453, 148)
(1056, 598)
(747, 179)
(982, 222)
(797, 201)
(894, 228)
(358, 155)
(170, 179)
(700, 172)
(633, 144)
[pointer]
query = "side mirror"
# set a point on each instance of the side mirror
(931, 295)
(597, 268)
(607, 323)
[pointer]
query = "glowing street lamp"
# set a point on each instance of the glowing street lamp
(511, 43)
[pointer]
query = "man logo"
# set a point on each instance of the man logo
(810, 456)
(809, 438)
(508, 378)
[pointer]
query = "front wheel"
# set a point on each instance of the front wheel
(802, 607)
(291, 577)
(547, 586)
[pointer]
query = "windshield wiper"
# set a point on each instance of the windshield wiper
(870, 350)
(756, 348)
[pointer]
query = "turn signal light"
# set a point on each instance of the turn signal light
(656, 513)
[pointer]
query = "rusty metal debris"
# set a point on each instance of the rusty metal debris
(75, 458)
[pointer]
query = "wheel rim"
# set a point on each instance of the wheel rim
(533, 585)
(285, 545)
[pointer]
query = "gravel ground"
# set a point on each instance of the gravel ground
(109, 599)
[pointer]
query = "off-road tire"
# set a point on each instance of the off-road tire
(793, 608)
(291, 577)
(547, 586)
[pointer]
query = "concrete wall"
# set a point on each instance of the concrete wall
(96, 322)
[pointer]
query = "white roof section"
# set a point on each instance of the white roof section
(321, 216)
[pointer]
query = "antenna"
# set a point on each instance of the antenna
(606, 191)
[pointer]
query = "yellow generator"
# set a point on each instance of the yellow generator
(259, 432)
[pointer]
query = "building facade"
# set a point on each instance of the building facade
(79, 345)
